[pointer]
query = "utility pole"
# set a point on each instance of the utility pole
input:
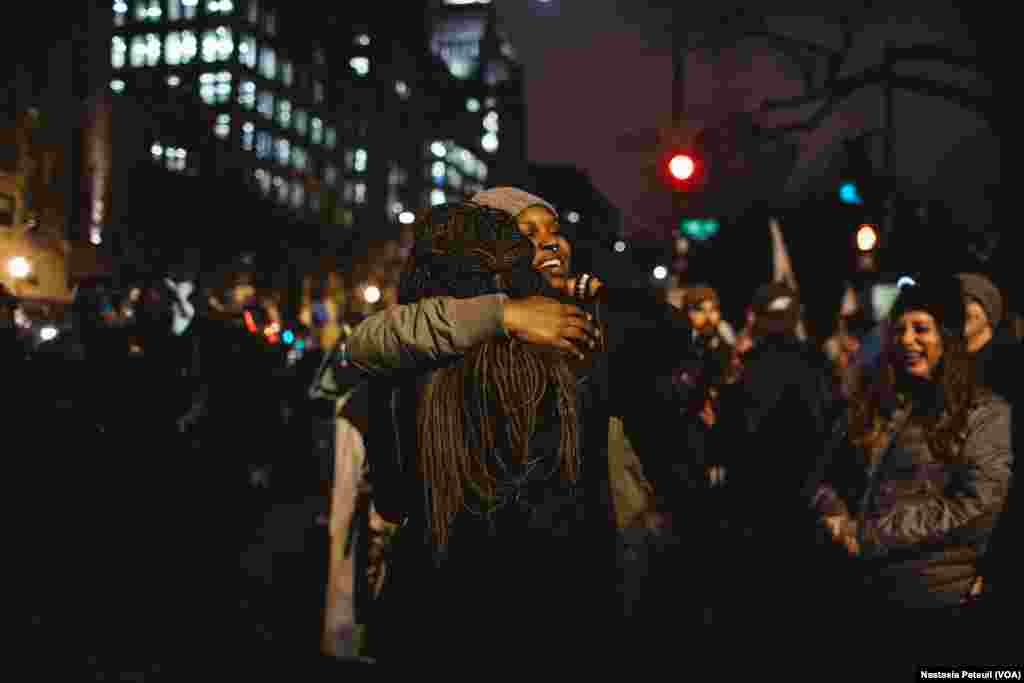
(680, 48)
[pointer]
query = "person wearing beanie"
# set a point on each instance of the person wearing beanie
(919, 471)
(984, 306)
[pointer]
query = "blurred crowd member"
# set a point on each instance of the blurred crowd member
(991, 344)
(916, 485)
(777, 417)
(996, 356)
(843, 349)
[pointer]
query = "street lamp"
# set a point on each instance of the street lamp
(19, 267)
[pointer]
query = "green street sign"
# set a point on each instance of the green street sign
(700, 229)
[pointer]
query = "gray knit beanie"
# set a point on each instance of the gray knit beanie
(984, 291)
(511, 200)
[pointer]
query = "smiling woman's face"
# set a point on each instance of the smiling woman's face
(553, 257)
(917, 344)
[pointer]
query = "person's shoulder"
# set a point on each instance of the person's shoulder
(988, 402)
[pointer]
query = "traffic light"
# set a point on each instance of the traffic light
(849, 193)
(683, 169)
(866, 237)
(682, 166)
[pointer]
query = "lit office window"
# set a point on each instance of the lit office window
(330, 174)
(120, 9)
(318, 92)
(438, 172)
(153, 11)
(270, 22)
(208, 88)
(117, 86)
(266, 105)
(360, 194)
(300, 159)
(283, 148)
(247, 94)
(263, 180)
(402, 89)
(454, 178)
(189, 46)
(248, 136)
(223, 87)
(362, 39)
(489, 142)
(152, 49)
(118, 52)
(301, 121)
(174, 80)
(217, 44)
(284, 113)
(174, 10)
(254, 12)
(141, 10)
(359, 161)
(287, 72)
(247, 51)
(209, 46)
(361, 65)
(267, 62)
(298, 194)
(264, 145)
(172, 48)
(190, 8)
(317, 130)
(491, 122)
(472, 105)
(437, 197)
(222, 128)
(175, 158)
(219, 7)
(215, 88)
(330, 138)
(138, 52)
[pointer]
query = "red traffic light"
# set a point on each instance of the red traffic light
(682, 166)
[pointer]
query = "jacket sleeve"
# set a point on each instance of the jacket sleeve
(415, 336)
(966, 512)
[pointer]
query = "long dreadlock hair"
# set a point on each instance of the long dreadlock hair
(493, 400)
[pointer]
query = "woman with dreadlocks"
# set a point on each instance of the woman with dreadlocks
(480, 461)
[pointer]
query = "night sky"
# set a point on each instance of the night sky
(598, 71)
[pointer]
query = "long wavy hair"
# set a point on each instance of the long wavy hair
(942, 403)
(476, 417)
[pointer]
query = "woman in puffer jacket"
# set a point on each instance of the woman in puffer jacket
(919, 471)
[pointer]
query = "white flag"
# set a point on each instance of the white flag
(782, 268)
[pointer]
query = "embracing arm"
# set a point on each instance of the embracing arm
(414, 336)
(964, 513)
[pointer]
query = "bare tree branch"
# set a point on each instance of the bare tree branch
(878, 75)
(932, 53)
